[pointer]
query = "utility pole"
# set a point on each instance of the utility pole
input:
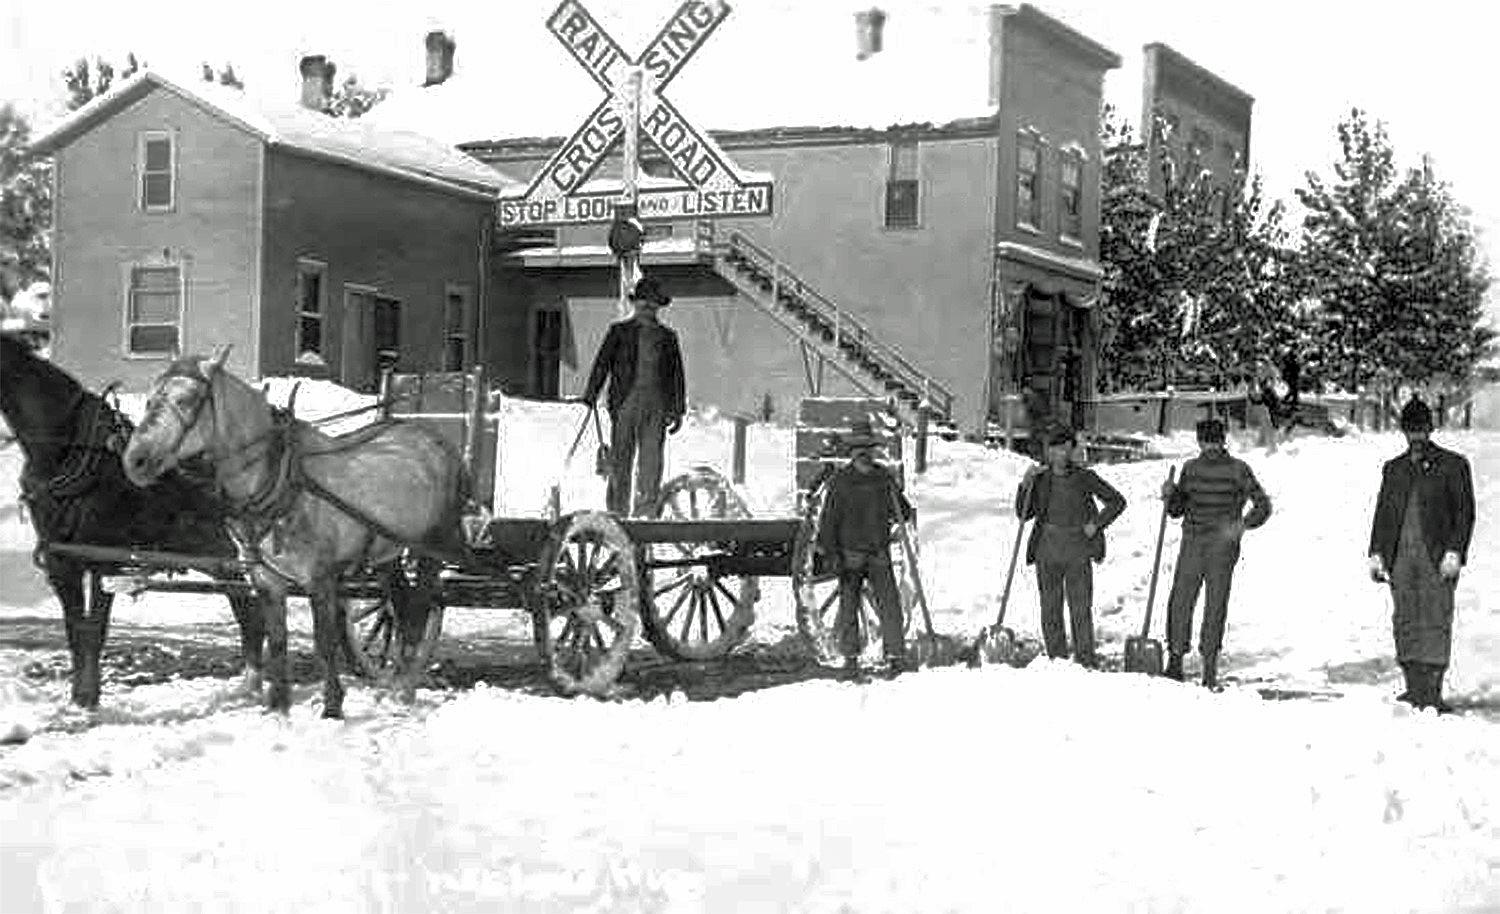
(625, 234)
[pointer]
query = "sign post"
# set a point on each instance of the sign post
(709, 185)
(627, 209)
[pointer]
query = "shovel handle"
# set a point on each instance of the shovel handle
(1161, 535)
(911, 561)
(1010, 573)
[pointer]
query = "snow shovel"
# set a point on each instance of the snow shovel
(997, 644)
(928, 645)
(1142, 652)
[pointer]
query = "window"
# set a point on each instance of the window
(902, 188)
(546, 349)
(1230, 153)
(1028, 182)
(1202, 145)
(153, 312)
(156, 160)
(455, 328)
(312, 305)
(656, 231)
(1070, 197)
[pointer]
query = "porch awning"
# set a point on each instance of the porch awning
(1051, 273)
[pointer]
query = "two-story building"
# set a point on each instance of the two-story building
(188, 214)
(934, 233)
(1192, 118)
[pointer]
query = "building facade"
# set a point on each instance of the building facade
(1192, 119)
(187, 216)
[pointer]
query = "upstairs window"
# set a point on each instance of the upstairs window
(1201, 146)
(156, 166)
(455, 328)
(902, 190)
(312, 305)
(153, 311)
(1070, 197)
(1028, 182)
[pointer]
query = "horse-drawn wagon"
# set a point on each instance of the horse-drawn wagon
(688, 579)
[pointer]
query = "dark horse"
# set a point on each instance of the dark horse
(76, 492)
(310, 508)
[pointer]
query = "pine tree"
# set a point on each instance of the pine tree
(1394, 266)
(25, 207)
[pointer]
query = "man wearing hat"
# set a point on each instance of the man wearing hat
(1068, 535)
(1419, 542)
(642, 360)
(1210, 496)
(862, 501)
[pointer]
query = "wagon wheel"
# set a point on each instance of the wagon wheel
(816, 591)
(691, 612)
(588, 596)
(379, 648)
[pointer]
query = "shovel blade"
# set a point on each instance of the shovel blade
(1143, 655)
(997, 644)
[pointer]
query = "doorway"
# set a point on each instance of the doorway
(371, 339)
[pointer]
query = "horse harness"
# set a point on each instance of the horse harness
(260, 513)
(57, 501)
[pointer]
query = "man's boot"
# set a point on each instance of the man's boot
(1174, 667)
(1432, 693)
(1409, 675)
(1210, 671)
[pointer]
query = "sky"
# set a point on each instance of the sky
(1306, 63)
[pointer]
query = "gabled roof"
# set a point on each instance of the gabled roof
(768, 66)
(353, 142)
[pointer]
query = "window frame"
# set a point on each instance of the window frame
(1032, 219)
(1068, 219)
(143, 140)
(129, 270)
(896, 180)
(464, 331)
(307, 266)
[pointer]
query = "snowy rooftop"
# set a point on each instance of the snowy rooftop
(362, 143)
(764, 67)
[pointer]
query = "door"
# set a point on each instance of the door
(357, 347)
(386, 335)
(546, 351)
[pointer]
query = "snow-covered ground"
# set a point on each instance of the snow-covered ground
(1039, 789)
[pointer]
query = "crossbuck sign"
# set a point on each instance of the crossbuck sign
(713, 186)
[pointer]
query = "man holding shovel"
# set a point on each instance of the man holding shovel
(863, 500)
(1068, 535)
(1210, 497)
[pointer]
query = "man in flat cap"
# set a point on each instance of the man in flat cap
(1419, 542)
(642, 361)
(1210, 497)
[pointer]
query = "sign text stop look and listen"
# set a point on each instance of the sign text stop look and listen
(714, 186)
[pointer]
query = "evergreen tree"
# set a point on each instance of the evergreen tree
(25, 207)
(1394, 267)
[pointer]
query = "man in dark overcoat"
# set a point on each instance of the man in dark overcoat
(1066, 499)
(1419, 542)
(642, 360)
(1210, 496)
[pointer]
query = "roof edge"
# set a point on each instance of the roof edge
(414, 177)
(1026, 14)
(1176, 58)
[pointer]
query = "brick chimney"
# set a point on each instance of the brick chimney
(317, 81)
(440, 47)
(868, 26)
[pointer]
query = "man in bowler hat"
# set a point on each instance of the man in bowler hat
(863, 500)
(1419, 542)
(1210, 497)
(642, 360)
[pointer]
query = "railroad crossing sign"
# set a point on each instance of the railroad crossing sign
(711, 186)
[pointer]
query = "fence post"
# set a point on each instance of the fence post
(737, 462)
(919, 460)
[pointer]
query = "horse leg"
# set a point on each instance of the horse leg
(66, 579)
(412, 614)
(94, 631)
(252, 621)
(327, 636)
(272, 594)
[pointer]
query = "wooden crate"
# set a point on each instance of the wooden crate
(822, 421)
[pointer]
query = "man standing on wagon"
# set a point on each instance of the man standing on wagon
(647, 397)
(1210, 496)
(1419, 541)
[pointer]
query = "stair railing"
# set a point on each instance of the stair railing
(845, 325)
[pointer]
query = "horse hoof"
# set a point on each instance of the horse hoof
(333, 713)
(251, 685)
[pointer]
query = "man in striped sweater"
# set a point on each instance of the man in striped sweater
(1210, 496)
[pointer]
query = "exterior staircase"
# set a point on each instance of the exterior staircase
(830, 335)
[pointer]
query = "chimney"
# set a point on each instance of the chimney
(317, 81)
(440, 48)
(867, 32)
